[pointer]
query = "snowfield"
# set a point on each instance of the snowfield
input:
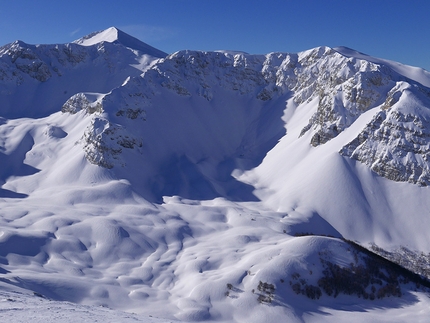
(137, 186)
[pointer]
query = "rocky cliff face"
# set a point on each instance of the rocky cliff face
(395, 144)
(39, 62)
(104, 142)
(345, 88)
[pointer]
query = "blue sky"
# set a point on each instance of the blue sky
(391, 29)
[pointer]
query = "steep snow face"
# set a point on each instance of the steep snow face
(35, 80)
(109, 35)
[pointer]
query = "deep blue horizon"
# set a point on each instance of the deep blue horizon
(385, 29)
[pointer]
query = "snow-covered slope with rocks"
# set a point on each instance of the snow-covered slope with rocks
(217, 186)
(35, 80)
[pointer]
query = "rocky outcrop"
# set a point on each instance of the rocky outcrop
(345, 88)
(396, 143)
(32, 60)
(103, 143)
(80, 102)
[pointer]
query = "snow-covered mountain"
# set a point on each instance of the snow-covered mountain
(215, 185)
(36, 79)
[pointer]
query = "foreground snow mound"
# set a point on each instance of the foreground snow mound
(217, 186)
(193, 261)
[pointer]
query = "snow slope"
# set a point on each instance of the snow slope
(217, 186)
(23, 306)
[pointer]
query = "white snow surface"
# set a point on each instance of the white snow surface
(23, 306)
(109, 35)
(166, 188)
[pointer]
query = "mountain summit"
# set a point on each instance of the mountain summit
(114, 35)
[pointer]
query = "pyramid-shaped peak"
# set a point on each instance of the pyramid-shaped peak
(114, 35)
(108, 35)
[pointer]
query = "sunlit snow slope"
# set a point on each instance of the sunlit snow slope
(214, 185)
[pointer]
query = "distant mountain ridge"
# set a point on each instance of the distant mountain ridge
(35, 80)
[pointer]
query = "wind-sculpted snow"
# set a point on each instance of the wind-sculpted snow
(211, 186)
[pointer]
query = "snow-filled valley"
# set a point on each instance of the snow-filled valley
(211, 186)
